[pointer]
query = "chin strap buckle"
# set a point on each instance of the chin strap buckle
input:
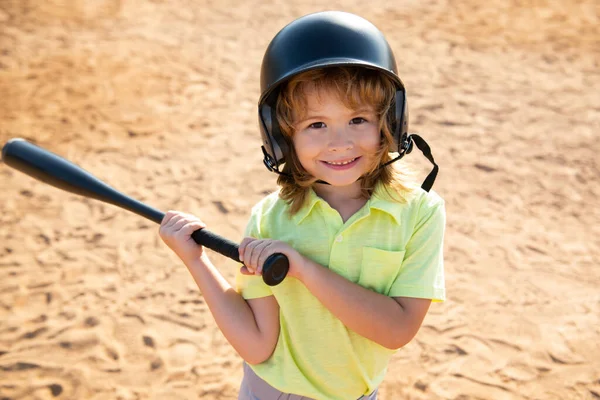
(268, 160)
(407, 145)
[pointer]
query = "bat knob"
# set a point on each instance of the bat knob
(275, 269)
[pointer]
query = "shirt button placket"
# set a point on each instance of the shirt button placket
(335, 257)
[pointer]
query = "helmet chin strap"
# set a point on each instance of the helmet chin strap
(426, 150)
(407, 147)
(422, 145)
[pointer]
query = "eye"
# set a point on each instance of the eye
(358, 121)
(317, 125)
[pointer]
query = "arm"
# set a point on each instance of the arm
(251, 327)
(390, 322)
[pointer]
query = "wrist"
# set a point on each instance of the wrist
(309, 267)
(197, 261)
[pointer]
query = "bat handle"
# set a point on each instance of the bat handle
(275, 267)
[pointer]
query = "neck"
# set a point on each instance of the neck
(337, 193)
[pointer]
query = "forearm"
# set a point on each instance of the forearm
(372, 315)
(231, 312)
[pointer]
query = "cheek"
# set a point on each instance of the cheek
(305, 146)
(371, 141)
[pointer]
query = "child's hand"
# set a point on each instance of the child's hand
(176, 231)
(254, 253)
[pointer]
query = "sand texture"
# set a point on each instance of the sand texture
(158, 98)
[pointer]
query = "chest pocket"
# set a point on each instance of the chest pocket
(379, 269)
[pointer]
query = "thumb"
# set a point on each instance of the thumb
(245, 271)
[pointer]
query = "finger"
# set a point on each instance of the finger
(242, 247)
(248, 255)
(169, 214)
(248, 248)
(191, 227)
(168, 218)
(197, 223)
(256, 252)
(264, 254)
(190, 218)
(176, 216)
(245, 271)
(180, 223)
(166, 225)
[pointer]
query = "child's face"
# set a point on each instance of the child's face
(334, 143)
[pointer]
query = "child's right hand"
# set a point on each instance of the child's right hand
(254, 252)
(176, 231)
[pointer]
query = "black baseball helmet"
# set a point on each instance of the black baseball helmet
(321, 40)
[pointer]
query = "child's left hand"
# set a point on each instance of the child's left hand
(254, 252)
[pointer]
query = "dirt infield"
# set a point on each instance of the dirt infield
(158, 98)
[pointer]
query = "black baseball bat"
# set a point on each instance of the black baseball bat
(54, 170)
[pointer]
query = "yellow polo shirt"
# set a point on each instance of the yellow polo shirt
(387, 246)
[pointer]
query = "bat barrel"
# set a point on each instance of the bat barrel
(54, 170)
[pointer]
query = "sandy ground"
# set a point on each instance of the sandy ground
(158, 98)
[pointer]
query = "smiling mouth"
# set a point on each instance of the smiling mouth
(341, 162)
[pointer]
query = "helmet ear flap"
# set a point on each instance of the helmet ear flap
(400, 123)
(275, 147)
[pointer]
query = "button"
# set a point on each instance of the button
(339, 239)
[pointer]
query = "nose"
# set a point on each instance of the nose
(340, 140)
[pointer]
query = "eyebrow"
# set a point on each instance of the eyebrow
(309, 118)
(357, 111)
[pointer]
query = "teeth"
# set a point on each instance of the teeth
(340, 163)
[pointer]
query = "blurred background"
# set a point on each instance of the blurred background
(158, 98)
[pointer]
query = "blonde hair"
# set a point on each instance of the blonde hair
(355, 87)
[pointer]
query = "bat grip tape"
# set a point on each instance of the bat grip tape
(275, 267)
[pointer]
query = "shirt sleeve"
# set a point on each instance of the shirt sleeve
(252, 286)
(422, 271)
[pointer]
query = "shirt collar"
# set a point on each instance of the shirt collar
(312, 200)
(382, 199)
(387, 201)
